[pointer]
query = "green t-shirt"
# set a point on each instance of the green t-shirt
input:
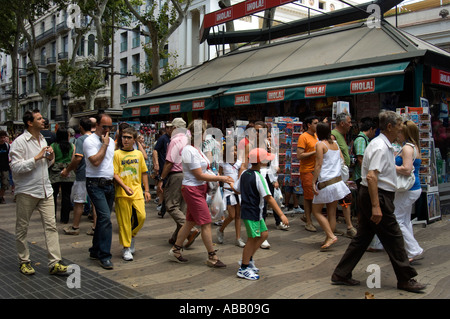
(342, 145)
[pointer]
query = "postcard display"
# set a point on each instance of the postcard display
(428, 169)
(289, 130)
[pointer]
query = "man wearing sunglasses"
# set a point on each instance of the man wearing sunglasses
(98, 148)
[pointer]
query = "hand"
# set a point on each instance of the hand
(41, 154)
(315, 191)
(276, 185)
(376, 215)
(64, 173)
(105, 139)
(128, 190)
(159, 186)
(227, 179)
(147, 196)
(284, 220)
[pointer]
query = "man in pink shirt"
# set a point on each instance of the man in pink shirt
(172, 177)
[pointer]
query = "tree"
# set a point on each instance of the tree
(161, 24)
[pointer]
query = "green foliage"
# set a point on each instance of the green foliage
(83, 79)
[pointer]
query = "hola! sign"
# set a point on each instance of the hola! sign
(440, 77)
(240, 10)
(362, 86)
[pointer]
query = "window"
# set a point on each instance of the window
(80, 51)
(123, 41)
(91, 45)
(123, 93)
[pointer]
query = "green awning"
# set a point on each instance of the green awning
(382, 78)
(187, 102)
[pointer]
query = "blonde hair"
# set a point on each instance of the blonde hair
(411, 133)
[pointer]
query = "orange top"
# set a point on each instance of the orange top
(308, 143)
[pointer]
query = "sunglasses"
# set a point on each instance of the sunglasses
(106, 127)
(127, 137)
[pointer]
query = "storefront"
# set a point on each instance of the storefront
(370, 68)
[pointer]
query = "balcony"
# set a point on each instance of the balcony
(46, 36)
(136, 42)
(63, 55)
(135, 68)
(62, 27)
(123, 99)
(51, 61)
(123, 72)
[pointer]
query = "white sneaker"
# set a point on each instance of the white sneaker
(265, 245)
(298, 209)
(247, 273)
(158, 208)
(219, 236)
(127, 255)
(251, 265)
(240, 243)
(282, 226)
(132, 249)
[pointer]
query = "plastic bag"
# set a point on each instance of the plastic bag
(278, 196)
(216, 206)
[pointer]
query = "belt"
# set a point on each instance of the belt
(332, 181)
(175, 172)
(100, 180)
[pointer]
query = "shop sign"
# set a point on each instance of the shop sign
(362, 86)
(154, 109)
(241, 99)
(198, 105)
(174, 108)
(315, 90)
(254, 6)
(224, 15)
(440, 77)
(275, 95)
(136, 111)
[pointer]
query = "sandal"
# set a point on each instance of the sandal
(175, 253)
(214, 263)
(328, 243)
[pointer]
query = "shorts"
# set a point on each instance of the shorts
(197, 209)
(4, 180)
(254, 228)
(79, 192)
(307, 185)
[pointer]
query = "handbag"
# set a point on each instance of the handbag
(405, 182)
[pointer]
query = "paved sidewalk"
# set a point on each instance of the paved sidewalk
(293, 268)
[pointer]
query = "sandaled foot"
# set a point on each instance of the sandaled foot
(213, 261)
(328, 243)
(175, 254)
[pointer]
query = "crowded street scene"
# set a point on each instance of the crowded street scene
(245, 166)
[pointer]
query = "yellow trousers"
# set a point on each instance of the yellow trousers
(130, 218)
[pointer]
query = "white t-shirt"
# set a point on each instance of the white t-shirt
(231, 170)
(91, 146)
(379, 156)
(192, 158)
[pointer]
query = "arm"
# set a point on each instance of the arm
(147, 194)
(272, 202)
(21, 165)
(141, 148)
(155, 161)
(317, 167)
(372, 182)
(76, 159)
(198, 173)
(301, 154)
(407, 156)
(119, 181)
(165, 172)
(97, 159)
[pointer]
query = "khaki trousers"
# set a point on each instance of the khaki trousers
(175, 204)
(25, 205)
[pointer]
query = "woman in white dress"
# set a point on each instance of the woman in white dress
(328, 185)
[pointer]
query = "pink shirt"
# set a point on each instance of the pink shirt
(176, 145)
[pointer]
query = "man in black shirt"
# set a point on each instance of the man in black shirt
(49, 136)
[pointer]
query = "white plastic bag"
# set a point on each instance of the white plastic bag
(278, 196)
(216, 206)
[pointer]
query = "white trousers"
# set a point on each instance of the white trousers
(403, 208)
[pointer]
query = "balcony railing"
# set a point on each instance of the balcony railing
(123, 46)
(63, 55)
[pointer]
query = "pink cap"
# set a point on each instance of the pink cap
(258, 155)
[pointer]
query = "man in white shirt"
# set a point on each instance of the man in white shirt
(30, 160)
(378, 186)
(98, 149)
